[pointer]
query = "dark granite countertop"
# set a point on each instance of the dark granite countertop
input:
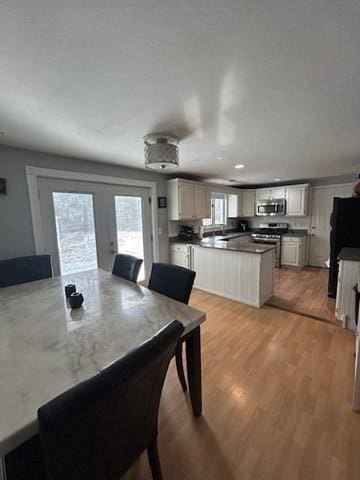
(350, 254)
(295, 233)
(218, 242)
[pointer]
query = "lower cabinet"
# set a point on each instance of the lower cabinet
(180, 254)
(349, 276)
(293, 251)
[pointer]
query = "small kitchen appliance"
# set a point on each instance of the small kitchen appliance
(273, 207)
(244, 226)
(186, 232)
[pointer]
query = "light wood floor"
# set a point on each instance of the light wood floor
(277, 391)
(303, 291)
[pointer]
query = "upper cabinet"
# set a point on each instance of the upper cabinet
(296, 198)
(278, 192)
(202, 207)
(297, 201)
(234, 205)
(269, 193)
(247, 203)
(263, 194)
(187, 200)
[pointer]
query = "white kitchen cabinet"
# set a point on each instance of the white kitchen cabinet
(278, 192)
(297, 201)
(187, 200)
(290, 254)
(270, 193)
(263, 194)
(201, 209)
(248, 203)
(180, 254)
(186, 197)
(293, 251)
(349, 276)
(242, 276)
(234, 206)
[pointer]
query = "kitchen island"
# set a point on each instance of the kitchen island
(233, 268)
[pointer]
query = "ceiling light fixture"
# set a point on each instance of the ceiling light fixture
(276, 179)
(219, 158)
(239, 165)
(161, 151)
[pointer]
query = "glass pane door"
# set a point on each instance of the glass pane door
(74, 223)
(129, 227)
(130, 224)
(84, 224)
(75, 231)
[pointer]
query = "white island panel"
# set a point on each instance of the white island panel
(245, 277)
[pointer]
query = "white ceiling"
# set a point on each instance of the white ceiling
(272, 84)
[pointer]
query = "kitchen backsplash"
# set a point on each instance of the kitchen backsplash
(293, 222)
(254, 222)
(174, 227)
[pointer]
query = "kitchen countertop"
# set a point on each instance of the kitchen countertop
(350, 254)
(217, 242)
(295, 233)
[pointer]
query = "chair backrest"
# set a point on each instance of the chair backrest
(173, 281)
(127, 266)
(24, 269)
(96, 430)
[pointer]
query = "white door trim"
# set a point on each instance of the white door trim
(311, 217)
(33, 173)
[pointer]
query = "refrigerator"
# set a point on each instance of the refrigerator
(345, 232)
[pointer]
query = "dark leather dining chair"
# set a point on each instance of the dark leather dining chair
(14, 271)
(175, 282)
(97, 429)
(127, 266)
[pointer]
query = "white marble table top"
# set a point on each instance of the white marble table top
(46, 348)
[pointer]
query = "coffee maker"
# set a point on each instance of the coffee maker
(244, 225)
(186, 232)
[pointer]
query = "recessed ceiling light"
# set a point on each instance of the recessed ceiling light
(219, 158)
(277, 179)
(239, 165)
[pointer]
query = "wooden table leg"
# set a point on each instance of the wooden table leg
(193, 362)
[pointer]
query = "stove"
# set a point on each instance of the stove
(270, 234)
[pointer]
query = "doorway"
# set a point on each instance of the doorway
(321, 207)
(86, 224)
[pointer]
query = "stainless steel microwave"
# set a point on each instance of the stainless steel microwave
(274, 207)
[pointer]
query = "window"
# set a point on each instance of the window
(218, 210)
(75, 231)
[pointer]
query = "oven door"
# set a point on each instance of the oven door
(271, 241)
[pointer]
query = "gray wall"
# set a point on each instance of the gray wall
(16, 235)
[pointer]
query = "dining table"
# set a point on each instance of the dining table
(47, 348)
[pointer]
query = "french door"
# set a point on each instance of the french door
(129, 220)
(85, 224)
